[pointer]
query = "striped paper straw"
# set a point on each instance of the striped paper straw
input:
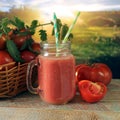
(70, 28)
(55, 29)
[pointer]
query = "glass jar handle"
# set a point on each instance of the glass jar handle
(30, 67)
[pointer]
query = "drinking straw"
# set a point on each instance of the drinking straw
(70, 28)
(55, 29)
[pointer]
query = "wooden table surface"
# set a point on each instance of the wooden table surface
(30, 107)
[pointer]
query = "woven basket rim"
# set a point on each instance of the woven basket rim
(4, 65)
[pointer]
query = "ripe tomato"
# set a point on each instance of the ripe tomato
(36, 47)
(82, 71)
(19, 40)
(92, 92)
(81, 75)
(5, 58)
(2, 41)
(101, 72)
(97, 72)
(27, 56)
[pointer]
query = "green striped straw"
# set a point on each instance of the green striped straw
(55, 29)
(70, 28)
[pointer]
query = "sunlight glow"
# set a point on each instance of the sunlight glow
(60, 10)
(69, 11)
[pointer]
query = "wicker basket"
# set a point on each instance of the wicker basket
(12, 80)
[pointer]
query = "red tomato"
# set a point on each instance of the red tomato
(2, 41)
(19, 40)
(5, 58)
(92, 92)
(83, 73)
(101, 72)
(27, 56)
(97, 72)
(36, 47)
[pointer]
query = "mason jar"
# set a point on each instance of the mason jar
(56, 73)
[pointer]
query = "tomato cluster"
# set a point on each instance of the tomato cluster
(27, 47)
(92, 80)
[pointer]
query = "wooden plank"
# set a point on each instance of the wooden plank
(30, 107)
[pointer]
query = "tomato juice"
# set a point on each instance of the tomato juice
(56, 78)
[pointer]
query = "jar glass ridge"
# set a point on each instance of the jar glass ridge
(50, 49)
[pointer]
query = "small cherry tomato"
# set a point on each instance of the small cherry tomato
(92, 92)
(27, 56)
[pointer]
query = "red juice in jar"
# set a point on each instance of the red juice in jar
(56, 74)
(56, 78)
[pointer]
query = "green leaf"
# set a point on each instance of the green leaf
(4, 26)
(33, 27)
(35, 52)
(26, 44)
(13, 23)
(7, 30)
(70, 36)
(32, 32)
(1, 34)
(59, 25)
(34, 24)
(43, 35)
(64, 30)
(13, 51)
(18, 23)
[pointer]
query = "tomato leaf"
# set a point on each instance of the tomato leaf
(34, 24)
(59, 25)
(13, 51)
(43, 35)
(33, 27)
(4, 26)
(26, 44)
(70, 36)
(64, 30)
(18, 23)
(35, 52)
(1, 34)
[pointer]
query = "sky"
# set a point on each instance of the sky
(62, 7)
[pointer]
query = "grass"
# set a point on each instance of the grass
(94, 42)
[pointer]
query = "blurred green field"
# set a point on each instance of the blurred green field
(98, 44)
(93, 42)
